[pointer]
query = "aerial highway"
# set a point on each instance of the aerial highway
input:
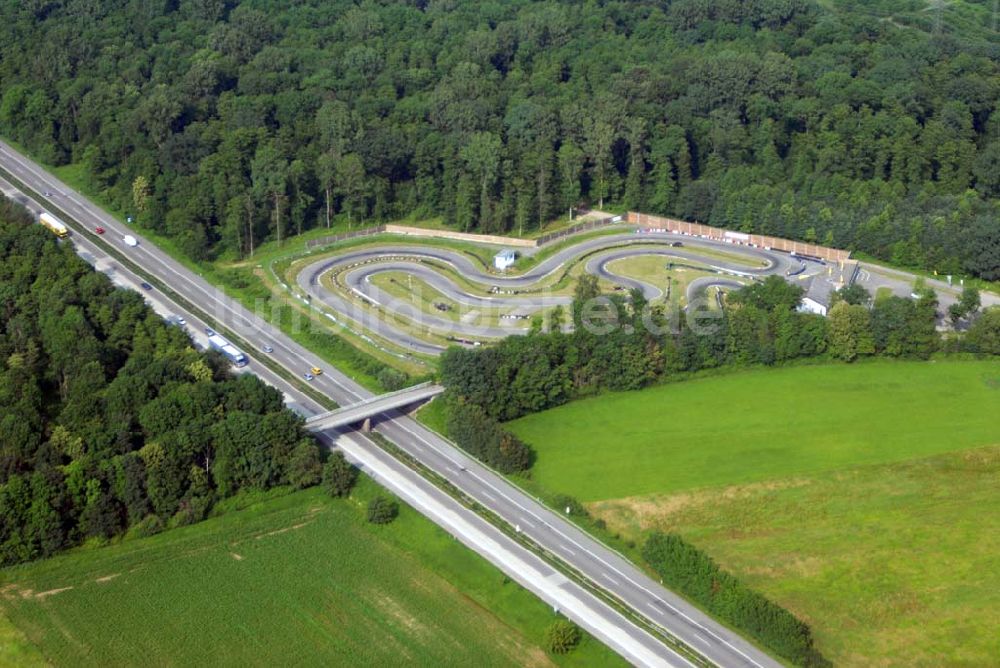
(553, 534)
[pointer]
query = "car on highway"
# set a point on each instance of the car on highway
(267, 349)
(676, 244)
(316, 371)
(99, 230)
(146, 286)
(307, 376)
(181, 320)
(209, 331)
(129, 240)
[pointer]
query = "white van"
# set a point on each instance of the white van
(129, 240)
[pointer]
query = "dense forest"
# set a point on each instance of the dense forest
(872, 126)
(109, 420)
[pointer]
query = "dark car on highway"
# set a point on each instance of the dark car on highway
(146, 286)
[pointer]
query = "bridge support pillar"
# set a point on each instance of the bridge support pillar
(366, 426)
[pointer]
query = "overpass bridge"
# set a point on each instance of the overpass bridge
(363, 411)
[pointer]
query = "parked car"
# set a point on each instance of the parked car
(99, 230)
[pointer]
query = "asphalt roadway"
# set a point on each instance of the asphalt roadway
(512, 294)
(515, 297)
(589, 559)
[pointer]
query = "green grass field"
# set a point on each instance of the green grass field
(297, 580)
(892, 564)
(863, 498)
(15, 650)
(761, 425)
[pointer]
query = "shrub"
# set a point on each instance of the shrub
(392, 379)
(483, 437)
(563, 501)
(338, 475)
(304, 466)
(191, 511)
(562, 636)
(150, 525)
(984, 333)
(382, 510)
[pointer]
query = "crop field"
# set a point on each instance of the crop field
(297, 580)
(761, 425)
(892, 564)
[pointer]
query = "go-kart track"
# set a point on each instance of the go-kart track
(345, 283)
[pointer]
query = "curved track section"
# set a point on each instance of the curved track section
(507, 300)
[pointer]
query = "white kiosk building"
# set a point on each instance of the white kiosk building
(504, 259)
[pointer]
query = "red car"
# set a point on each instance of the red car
(99, 230)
